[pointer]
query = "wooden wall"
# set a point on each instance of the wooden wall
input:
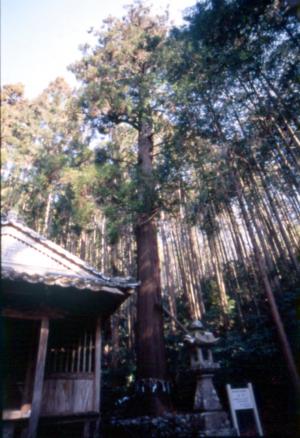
(68, 396)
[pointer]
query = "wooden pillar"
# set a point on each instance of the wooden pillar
(97, 386)
(38, 379)
(29, 379)
(97, 382)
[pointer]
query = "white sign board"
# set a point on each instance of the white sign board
(241, 399)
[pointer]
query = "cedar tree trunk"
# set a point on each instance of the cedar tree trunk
(151, 362)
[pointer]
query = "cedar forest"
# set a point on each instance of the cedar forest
(176, 161)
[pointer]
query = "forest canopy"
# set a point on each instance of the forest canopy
(184, 142)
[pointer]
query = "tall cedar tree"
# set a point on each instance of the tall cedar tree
(121, 84)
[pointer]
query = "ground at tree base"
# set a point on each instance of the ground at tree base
(171, 425)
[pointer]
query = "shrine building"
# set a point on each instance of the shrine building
(53, 307)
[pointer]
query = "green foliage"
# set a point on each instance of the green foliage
(122, 95)
(47, 158)
(119, 73)
(219, 98)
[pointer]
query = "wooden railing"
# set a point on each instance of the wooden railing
(72, 356)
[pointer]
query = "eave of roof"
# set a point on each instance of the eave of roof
(72, 281)
(93, 279)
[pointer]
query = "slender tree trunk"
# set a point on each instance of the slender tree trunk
(220, 280)
(283, 340)
(280, 225)
(197, 270)
(115, 329)
(169, 278)
(184, 281)
(247, 261)
(236, 290)
(47, 220)
(269, 262)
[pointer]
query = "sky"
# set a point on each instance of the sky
(40, 38)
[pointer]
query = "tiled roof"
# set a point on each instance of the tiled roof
(28, 256)
(55, 279)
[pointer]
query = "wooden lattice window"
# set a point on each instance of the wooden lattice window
(71, 347)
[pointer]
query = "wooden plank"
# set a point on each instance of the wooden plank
(38, 379)
(90, 353)
(14, 414)
(73, 360)
(33, 314)
(67, 396)
(79, 348)
(97, 384)
(84, 360)
(29, 378)
(256, 415)
(82, 395)
(68, 360)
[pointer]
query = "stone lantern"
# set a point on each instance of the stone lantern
(206, 400)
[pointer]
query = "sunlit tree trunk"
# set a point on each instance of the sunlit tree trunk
(151, 359)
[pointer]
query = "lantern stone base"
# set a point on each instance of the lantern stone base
(206, 397)
(214, 420)
(215, 424)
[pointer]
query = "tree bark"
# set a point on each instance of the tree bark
(151, 359)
